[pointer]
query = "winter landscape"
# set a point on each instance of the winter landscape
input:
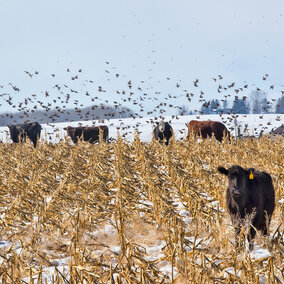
(129, 208)
(133, 210)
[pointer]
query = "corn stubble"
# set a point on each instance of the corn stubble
(56, 198)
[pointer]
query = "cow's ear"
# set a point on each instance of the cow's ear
(223, 171)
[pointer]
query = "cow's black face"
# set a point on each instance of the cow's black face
(238, 178)
(237, 184)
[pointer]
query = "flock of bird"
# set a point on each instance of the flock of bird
(57, 101)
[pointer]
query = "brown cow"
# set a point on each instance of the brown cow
(207, 129)
(87, 133)
(250, 197)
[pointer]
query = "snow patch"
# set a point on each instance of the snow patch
(166, 268)
(155, 252)
(259, 253)
(116, 249)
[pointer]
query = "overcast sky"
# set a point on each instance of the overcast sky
(148, 41)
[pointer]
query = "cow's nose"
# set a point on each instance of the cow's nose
(236, 191)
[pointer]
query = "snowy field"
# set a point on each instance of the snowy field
(251, 124)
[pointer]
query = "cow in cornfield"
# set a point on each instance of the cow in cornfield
(208, 129)
(163, 132)
(250, 199)
(88, 133)
(20, 132)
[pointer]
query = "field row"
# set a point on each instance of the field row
(132, 213)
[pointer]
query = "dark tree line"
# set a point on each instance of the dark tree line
(256, 103)
(280, 105)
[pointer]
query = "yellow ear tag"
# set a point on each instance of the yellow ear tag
(251, 175)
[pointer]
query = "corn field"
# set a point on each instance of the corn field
(105, 209)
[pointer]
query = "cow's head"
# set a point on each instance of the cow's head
(162, 126)
(238, 179)
(14, 133)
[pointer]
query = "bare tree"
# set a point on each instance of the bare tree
(256, 99)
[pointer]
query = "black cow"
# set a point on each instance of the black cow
(22, 131)
(88, 133)
(250, 194)
(163, 132)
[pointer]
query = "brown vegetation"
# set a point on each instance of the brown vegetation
(56, 201)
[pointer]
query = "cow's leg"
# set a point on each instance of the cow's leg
(161, 136)
(22, 137)
(267, 222)
(250, 237)
(265, 231)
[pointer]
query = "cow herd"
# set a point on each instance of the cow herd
(163, 132)
(250, 194)
(20, 132)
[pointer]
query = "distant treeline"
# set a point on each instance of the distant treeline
(58, 115)
(257, 103)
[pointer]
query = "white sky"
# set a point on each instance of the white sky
(147, 40)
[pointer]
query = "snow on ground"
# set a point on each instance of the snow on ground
(127, 127)
(259, 253)
(4, 245)
(48, 273)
